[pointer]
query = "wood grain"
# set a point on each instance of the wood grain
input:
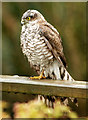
(20, 84)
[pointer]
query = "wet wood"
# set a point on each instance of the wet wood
(78, 89)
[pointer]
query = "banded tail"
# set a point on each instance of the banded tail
(58, 72)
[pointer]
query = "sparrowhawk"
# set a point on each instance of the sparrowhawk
(42, 45)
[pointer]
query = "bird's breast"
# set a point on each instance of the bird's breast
(34, 46)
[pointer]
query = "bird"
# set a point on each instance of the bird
(41, 43)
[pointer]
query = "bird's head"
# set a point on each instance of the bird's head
(31, 16)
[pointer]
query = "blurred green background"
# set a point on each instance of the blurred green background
(68, 18)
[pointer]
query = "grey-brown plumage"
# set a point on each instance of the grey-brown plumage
(42, 45)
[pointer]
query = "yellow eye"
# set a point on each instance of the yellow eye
(28, 18)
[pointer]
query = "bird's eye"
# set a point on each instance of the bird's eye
(28, 18)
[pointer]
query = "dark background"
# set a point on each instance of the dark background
(68, 18)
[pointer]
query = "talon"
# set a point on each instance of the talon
(38, 77)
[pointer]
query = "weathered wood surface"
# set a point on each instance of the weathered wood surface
(20, 84)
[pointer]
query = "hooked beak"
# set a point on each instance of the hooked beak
(22, 23)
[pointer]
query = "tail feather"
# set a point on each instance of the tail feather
(50, 100)
(57, 71)
(64, 74)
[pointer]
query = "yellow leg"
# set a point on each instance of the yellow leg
(38, 77)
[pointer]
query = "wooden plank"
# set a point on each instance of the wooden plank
(20, 84)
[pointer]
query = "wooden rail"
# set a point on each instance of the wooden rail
(20, 84)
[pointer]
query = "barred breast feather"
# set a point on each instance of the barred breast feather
(35, 48)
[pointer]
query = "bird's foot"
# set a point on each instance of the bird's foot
(39, 77)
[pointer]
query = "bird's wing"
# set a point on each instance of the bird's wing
(53, 41)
